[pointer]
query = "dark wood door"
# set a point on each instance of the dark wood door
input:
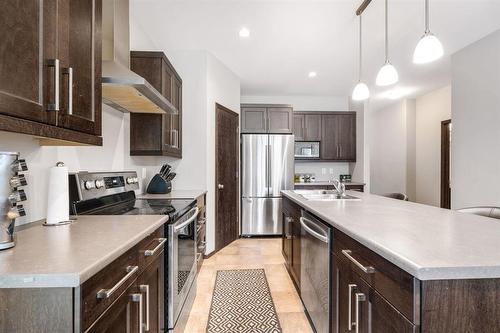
(253, 120)
(280, 120)
(150, 284)
(299, 127)
(226, 176)
(122, 315)
(445, 164)
(79, 41)
(329, 146)
(286, 247)
(27, 47)
(346, 137)
(296, 246)
(312, 127)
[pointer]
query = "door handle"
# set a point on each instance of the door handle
(107, 293)
(360, 297)
(137, 298)
(365, 269)
(145, 289)
(149, 253)
(54, 106)
(69, 71)
(351, 287)
(220, 186)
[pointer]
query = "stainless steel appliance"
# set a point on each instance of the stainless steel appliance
(11, 195)
(112, 193)
(307, 150)
(267, 168)
(315, 270)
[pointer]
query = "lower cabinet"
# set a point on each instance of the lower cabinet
(360, 307)
(291, 240)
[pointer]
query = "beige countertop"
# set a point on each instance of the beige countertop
(66, 256)
(429, 243)
(175, 194)
(327, 183)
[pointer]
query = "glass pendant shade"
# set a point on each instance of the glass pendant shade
(387, 75)
(360, 92)
(428, 49)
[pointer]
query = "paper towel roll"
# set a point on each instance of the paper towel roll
(58, 195)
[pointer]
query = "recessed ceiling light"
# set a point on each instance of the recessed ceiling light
(244, 32)
(312, 74)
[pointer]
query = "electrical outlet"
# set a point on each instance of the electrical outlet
(331, 171)
(323, 171)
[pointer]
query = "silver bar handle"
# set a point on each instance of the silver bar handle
(145, 289)
(313, 233)
(107, 293)
(69, 71)
(182, 225)
(149, 253)
(54, 106)
(360, 297)
(352, 287)
(365, 269)
(138, 298)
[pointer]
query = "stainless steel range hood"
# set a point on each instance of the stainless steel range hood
(123, 89)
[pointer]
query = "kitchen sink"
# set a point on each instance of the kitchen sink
(325, 195)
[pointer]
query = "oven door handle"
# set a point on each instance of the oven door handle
(183, 224)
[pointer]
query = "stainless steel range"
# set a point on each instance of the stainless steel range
(112, 193)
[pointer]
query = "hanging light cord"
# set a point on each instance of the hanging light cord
(360, 48)
(387, 31)
(427, 30)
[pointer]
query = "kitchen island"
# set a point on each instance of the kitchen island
(83, 276)
(418, 268)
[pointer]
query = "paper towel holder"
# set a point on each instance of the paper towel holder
(57, 224)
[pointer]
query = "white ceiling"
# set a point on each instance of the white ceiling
(291, 38)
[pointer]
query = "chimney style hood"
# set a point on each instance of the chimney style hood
(123, 89)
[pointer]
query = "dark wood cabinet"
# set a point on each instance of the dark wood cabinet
(312, 127)
(338, 137)
(291, 245)
(299, 127)
(266, 118)
(50, 69)
(150, 285)
(157, 134)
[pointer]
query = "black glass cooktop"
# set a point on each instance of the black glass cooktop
(128, 204)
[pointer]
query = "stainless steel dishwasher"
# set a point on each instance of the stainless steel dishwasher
(315, 271)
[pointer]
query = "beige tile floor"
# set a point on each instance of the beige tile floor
(245, 254)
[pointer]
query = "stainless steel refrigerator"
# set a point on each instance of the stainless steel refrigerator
(267, 167)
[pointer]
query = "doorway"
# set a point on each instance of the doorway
(226, 176)
(446, 163)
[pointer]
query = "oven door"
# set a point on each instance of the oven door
(181, 263)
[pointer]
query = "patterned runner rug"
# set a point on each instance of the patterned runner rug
(242, 303)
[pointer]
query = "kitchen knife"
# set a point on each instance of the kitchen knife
(162, 170)
(167, 170)
(170, 176)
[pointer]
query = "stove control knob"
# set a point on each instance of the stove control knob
(99, 183)
(130, 180)
(88, 184)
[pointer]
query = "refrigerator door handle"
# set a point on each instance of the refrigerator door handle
(268, 172)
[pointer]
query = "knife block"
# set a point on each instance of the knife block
(158, 185)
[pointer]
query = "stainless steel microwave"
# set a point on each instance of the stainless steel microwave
(306, 150)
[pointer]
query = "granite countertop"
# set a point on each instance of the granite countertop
(66, 256)
(327, 183)
(428, 242)
(175, 194)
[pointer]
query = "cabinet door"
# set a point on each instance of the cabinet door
(312, 127)
(329, 144)
(167, 78)
(287, 238)
(279, 120)
(296, 247)
(346, 137)
(253, 120)
(79, 41)
(27, 44)
(122, 316)
(176, 119)
(299, 127)
(150, 284)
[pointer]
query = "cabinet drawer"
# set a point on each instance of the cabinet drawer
(150, 247)
(397, 286)
(125, 269)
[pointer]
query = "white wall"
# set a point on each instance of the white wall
(388, 154)
(431, 110)
(476, 124)
(322, 170)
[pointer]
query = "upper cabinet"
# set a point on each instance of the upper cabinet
(157, 134)
(261, 118)
(50, 70)
(307, 127)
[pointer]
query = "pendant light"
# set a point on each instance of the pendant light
(388, 74)
(361, 91)
(429, 48)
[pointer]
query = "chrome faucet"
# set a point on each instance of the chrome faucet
(339, 187)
